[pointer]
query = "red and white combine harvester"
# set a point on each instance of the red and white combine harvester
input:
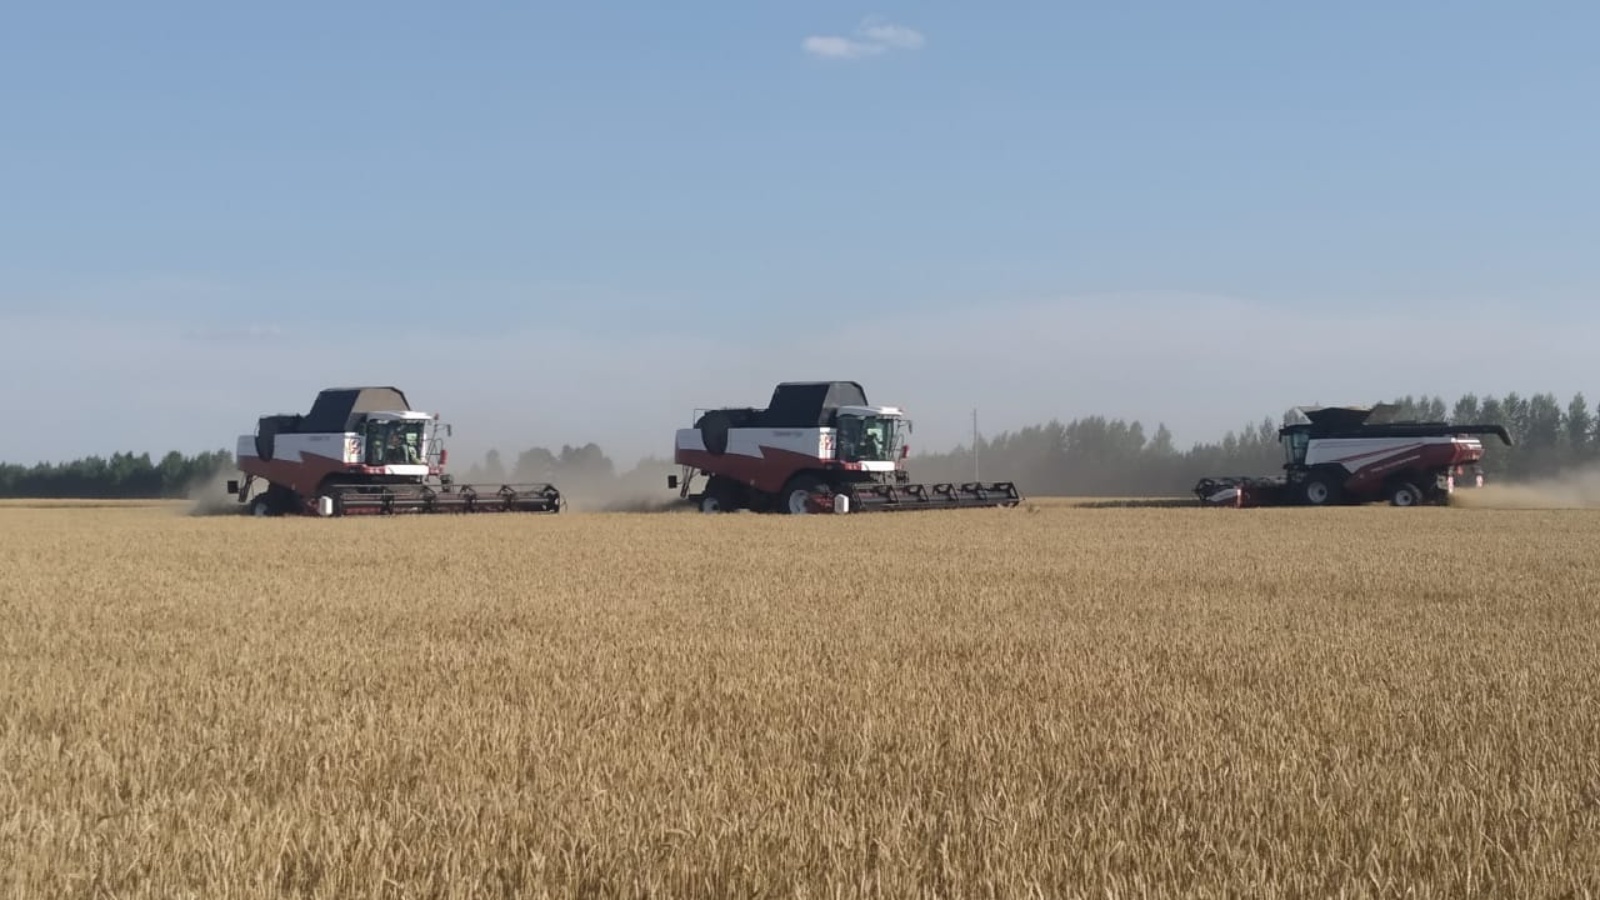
(1361, 454)
(818, 446)
(364, 450)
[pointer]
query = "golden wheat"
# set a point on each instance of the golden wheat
(1050, 701)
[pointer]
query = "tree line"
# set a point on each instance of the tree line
(1089, 456)
(582, 473)
(122, 476)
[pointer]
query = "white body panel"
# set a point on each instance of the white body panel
(877, 465)
(293, 447)
(1354, 453)
(813, 442)
(348, 448)
(420, 470)
(886, 412)
(817, 443)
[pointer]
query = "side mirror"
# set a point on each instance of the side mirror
(233, 487)
(672, 482)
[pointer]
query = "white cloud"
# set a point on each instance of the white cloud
(873, 36)
(891, 35)
(836, 47)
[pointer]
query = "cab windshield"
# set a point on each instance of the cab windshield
(869, 438)
(1295, 444)
(393, 442)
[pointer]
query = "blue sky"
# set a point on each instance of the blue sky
(562, 223)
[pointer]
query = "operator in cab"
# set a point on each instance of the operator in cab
(400, 450)
(870, 448)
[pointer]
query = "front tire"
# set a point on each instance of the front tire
(796, 495)
(1319, 489)
(1405, 494)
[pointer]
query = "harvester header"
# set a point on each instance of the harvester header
(818, 446)
(364, 450)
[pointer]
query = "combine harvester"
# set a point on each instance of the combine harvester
(818, 447)
(1361, 454)
(365, 451)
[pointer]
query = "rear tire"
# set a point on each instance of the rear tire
(276, 500)
(722, 495)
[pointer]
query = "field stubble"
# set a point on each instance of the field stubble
(1063, 702)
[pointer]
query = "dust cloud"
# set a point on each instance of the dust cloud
(208, 495)
(637, 503)
(589, 496)
(1576, 489)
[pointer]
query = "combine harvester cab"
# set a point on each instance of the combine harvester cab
(1361, 454)
(818, 447)
(365, 451)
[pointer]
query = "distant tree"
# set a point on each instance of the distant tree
(1545, 432)
(1580, 430)
(1516, 414)
(1161, 445)
(1492, 412)
(1421, 409)
(493, 469)
(535, 465)
(585, 463)
(174, 472)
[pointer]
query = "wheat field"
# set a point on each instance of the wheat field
(1051, 701)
